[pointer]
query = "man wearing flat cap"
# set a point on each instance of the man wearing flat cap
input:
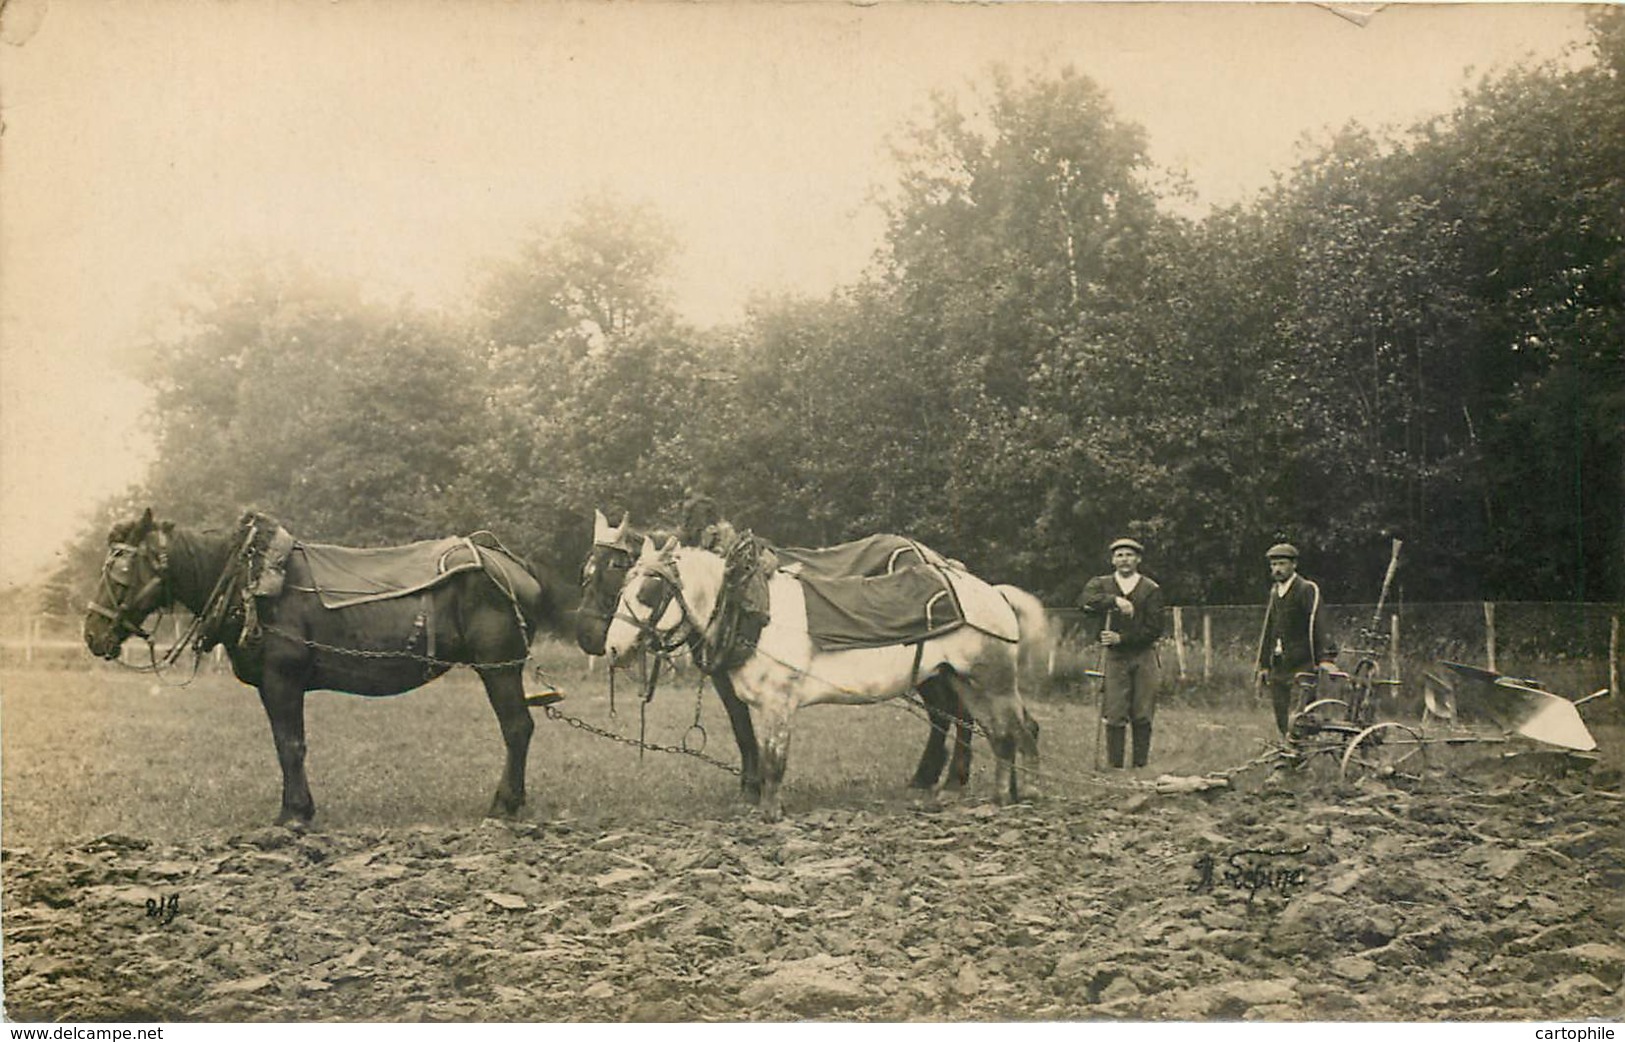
(1124, 611)
(1295, 638)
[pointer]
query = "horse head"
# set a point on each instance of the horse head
(603, 573)
(667, 596)
(133, 584)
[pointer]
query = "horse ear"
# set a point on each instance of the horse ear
(671, 544)
(144, 526)
(601, 533)
(648, 548)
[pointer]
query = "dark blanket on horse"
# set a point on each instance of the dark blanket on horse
(345, 576)
(880, 554)
(905, 607)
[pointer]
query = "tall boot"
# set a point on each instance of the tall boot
(1142, 742)
(1114, 744)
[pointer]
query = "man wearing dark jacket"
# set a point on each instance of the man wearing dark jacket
(1295, 639)
(1125, 612)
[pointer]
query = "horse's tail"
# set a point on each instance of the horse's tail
(1038, 635)
(1035, 650)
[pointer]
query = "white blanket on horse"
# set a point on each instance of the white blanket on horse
(985, 608)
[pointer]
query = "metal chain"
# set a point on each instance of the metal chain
(409, 656)
(554, 713)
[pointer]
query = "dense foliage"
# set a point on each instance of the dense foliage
(1418, 332)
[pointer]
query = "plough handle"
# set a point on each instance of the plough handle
(1387, 583)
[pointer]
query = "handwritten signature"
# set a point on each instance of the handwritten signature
(163, 909)
(1251, 870)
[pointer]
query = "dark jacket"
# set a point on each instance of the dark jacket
(1295, 621)
(1140, 630)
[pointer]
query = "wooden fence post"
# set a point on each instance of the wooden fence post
(1179, 640)
(1489, 634)
(1393, 646)
(1613, 657)
(1207, 647)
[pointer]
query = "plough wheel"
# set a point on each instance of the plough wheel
(1385, 750)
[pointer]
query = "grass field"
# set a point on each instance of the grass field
(105, 750)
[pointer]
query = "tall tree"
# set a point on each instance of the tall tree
(1020, 238)
(283, 389)
(599, 272)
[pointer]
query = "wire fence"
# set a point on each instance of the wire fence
(1207, 656)
(1210, 652)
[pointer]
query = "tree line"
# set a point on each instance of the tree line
(1414, 331)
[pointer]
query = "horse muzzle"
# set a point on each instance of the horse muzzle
(104, 643)
(590, 633)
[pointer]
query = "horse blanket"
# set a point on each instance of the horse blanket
(906, 607)
(880, 554)
(344, 576)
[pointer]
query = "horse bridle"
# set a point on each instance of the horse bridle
(671, 588)
(589, 573)
(117, 575)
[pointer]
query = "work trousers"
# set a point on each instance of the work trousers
(1284, 690)
(1131, 686)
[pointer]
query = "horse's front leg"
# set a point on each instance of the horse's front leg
(284, 703)
(750, 766)
(772, 723)
(505, 688)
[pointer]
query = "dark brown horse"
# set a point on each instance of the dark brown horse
(482, 614)
(603, 574)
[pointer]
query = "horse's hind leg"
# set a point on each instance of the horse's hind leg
(750, 766)
(505, 689)
(1027, 757)
(939, 701)
(959, 770)
(284, 703)
(1010, 732)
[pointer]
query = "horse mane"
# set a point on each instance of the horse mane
(553, 607)
(120, 532)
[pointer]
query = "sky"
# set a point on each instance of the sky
(405, 142)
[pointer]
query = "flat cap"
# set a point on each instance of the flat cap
(1132, 544)
(1282, 550)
